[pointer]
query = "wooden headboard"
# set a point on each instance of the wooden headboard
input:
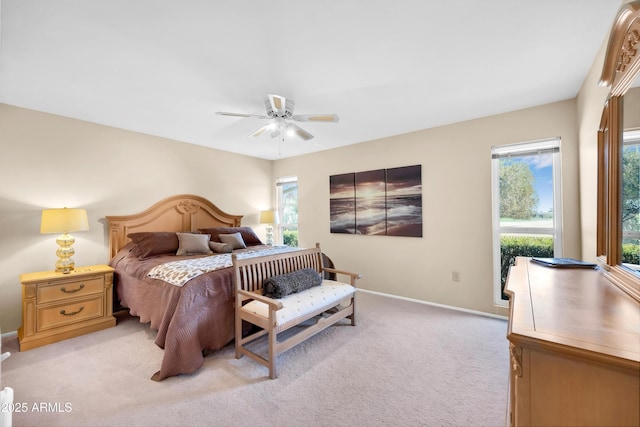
(184, 212)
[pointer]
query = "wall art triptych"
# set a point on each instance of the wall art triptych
(379, 202)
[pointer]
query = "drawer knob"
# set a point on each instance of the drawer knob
(63, 289)
(73, 313)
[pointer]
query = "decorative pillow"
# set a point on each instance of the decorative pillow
(193, 244)
(248, 235)
(296, 281)
(234, 240)
(220, 248)
(148, 244)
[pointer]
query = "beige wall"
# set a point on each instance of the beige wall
(456, 177)
(590, 101)
(50, 161)
(631, 108)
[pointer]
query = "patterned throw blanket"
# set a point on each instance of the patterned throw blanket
(180, 272)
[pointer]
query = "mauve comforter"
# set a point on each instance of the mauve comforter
(189, 319)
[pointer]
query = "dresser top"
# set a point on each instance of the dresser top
(574, 310)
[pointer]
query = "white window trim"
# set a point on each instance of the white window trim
(533, 147)
(280, 182)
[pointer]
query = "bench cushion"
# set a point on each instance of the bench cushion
(296, 281)
(303, 304)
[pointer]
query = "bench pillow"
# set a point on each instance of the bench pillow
(289, 283)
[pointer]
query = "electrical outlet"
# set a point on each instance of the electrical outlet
(455, 276)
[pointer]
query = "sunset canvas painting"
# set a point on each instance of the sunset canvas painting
(371, 213)
(377, 202)
(404, 201)
(342, 203)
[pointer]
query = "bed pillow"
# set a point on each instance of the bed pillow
(220, 248)
(248, 235)
(193, 244)
(290, 283)
(234, 240)
(152, 243)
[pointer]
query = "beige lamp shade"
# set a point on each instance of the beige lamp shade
(268, 217)
(63, 220)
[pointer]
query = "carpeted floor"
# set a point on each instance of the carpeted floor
(404, 364)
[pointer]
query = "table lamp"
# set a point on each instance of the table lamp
(270, 218)
(63, 221)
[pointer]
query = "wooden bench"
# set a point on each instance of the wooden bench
(325, 304)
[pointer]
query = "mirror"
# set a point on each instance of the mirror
(618, 236)
(630, 185)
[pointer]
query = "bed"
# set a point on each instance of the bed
(196, 316)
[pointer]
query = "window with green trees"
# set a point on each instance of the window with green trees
(288, 211)
(526, 205)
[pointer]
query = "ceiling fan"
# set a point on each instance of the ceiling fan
(279, 111)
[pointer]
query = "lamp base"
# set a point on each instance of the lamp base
(269, 230)
(65, 266)
(65, 263)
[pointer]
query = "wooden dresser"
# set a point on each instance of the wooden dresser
(57, 306)
(575, 348)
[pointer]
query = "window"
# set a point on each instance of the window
(527, 213)
(288, 211)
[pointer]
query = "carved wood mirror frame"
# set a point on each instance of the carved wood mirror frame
(621, 69)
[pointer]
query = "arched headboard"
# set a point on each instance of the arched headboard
(181, 213)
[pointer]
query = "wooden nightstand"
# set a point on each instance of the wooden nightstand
(57, 306)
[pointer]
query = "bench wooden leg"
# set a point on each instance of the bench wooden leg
(353, 314)
(238, 321)
(272, 354)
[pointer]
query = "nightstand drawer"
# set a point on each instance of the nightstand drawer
(71, 289)
(68, 313)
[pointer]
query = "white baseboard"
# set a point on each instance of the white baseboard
(448, 307)
(9, 335)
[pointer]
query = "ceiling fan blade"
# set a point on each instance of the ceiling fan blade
(253, 116)
(278, 104)
(262, 130)
(323, 118)
(301, 133)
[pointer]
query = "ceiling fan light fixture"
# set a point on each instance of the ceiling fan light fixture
(279, 110)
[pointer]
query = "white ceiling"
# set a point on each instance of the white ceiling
(164, 67)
